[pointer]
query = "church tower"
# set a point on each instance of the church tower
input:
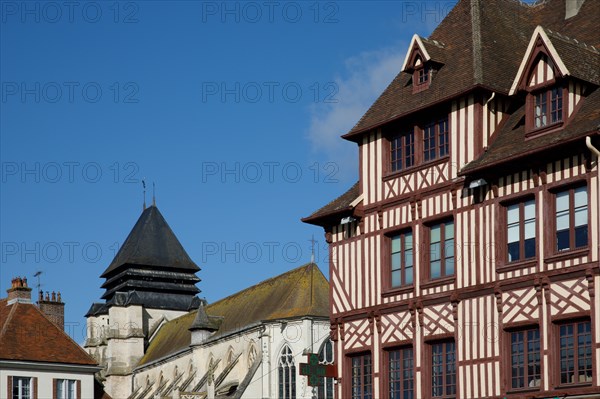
(150, 281)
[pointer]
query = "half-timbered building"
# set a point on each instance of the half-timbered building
(465, 261)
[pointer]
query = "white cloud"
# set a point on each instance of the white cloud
(365, 77)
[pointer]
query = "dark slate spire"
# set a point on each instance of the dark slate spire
(202, 322)
(152, 268)
(152, 243)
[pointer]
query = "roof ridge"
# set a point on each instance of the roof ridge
(476, 38)
(557, 35)
(261, 283)
(8, 318)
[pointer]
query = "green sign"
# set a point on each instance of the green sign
(316, 372)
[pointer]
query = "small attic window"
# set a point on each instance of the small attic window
(545, 109)
(421, 75)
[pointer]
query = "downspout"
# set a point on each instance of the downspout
(491, 98)
(588, 143)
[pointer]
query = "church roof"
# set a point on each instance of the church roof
(303, 291)
(151, 242)
(26, 334)
(482, 43)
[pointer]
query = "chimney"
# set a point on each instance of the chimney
(19, 291)
(53, 307)
(572, 7)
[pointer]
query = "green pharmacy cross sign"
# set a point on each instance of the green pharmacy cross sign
(316, 372)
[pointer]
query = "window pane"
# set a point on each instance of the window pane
(396, 278)
(408, 241)
(581, 217)
(580, 196)
(562, 240)
(562, 220)
(435, 234)
(396, 244)
(408, 258)
(436, 269)
(409, 275)
(435, 252)
(530, 248)
(449, 230)
(396, 261)
(513, 233)
(530, 209)
(562, 201)
(513, 251)
(529, 229)
(512, 214)
(581, 236)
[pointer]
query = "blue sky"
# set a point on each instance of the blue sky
(233, 109)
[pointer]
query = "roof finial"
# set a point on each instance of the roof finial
(312, 249)
(144, 184)
(153, 195)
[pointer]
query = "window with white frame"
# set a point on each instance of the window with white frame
(66, 389)
(21, 388)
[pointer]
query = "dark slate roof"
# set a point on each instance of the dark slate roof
(202, 321)
(511, 143)
(301, 292)
(335, 208)
(26, 334)
(483, 44)
(151, 242)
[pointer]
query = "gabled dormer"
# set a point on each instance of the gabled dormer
(420, 64)
(553, 88)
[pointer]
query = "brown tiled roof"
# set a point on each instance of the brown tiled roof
(339, 205)
(303, 291)
(27, 334)
(483, 42)
(511, 143)
(581, 60)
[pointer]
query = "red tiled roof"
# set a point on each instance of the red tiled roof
(27, 334)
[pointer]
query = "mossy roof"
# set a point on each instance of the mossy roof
(301, 292)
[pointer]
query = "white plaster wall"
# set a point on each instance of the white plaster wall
(44, 382)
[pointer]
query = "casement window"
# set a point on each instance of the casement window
(362, 374)
(402, 259)
(520, 231)
(325, 390)
(435, 140)
(571, 207)
(402, 151)
(443, 370)
(525, 364)
(401, 377)
(547, 107)
(421, 77)
(287, 374)
(575, 348)
(21, 388)
(441, 250)
(66, 389)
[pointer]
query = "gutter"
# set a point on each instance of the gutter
(588, 143)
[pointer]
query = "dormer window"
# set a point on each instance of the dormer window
(548, 107)
(421, 76)
(545, 109)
